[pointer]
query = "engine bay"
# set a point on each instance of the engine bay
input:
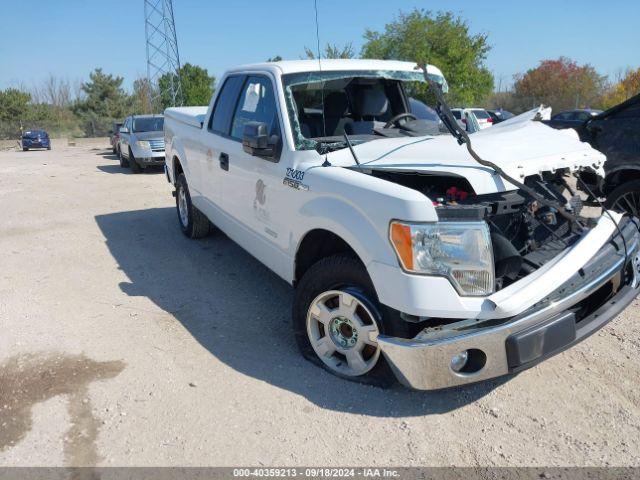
(525, 234)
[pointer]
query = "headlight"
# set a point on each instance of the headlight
(460, 251)
(143, 144)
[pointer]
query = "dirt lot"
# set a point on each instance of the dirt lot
(124, 343)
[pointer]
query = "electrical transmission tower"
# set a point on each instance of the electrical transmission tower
(163, 59)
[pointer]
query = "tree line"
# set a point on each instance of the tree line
(442, 39)
(90, 108)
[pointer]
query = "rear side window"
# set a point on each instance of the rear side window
(225, 104)
(457, 114)
(257, 104)
(481, 114)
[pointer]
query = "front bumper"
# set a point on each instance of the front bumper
(580, 307)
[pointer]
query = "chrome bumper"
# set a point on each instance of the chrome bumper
(593, 297)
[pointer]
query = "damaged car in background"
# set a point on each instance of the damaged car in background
(417, 253)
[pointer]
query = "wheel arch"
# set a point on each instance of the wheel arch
(620, 176)
(317, 244)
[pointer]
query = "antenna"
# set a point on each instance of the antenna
(163, 59)
(324, 121)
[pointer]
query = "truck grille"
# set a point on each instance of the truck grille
(157, 145)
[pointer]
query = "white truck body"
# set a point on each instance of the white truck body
(268, 207)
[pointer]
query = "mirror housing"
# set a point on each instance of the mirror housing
(257, 142)
(124, 130)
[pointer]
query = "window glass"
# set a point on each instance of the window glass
(457, 114)
(225, 103)
(148, 124)
(256, 104)
(583, 116)
(481, 114)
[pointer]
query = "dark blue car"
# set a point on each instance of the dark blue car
(35, 139)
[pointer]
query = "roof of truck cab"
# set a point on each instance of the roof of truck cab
(333, 65)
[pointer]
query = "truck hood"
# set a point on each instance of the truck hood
(520, 146)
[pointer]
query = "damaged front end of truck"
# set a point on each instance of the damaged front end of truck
(545, 271)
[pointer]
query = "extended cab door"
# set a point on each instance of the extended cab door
(252, 187)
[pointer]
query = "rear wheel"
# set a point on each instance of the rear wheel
(193, 223)
(625, 198)
(337, 320)
(124, 163)
(25, 149)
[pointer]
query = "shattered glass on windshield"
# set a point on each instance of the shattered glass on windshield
(323, 106)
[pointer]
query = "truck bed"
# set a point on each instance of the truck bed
(193, 116)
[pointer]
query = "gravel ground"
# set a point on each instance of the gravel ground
(124, 343)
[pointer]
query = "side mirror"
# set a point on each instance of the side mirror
(257, 142)
(124, 130)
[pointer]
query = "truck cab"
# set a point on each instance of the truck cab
(411, 260)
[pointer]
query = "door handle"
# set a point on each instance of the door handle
(224, 161)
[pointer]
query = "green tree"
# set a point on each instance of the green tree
(141, 98)
(14, 112)
(331, 51)
(277, 58)
(197, 86)
(104, 102)
(443, 40)
(14, 104)
(561, 84)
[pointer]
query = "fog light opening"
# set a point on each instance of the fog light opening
(468, 362)
(459, 361)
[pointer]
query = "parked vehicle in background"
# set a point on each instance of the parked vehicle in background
(409, 257)
(616, 133)
(571, 118)
(35, 139)
(114, 136)
(141, 142)
(460, 117)
(499, 115)
(472, 119)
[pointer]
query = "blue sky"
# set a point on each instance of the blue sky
(69, 38)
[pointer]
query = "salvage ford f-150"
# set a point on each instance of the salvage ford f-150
(412, 255)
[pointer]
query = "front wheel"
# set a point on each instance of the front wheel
(625, 198)
(133, 164)
(193, 223)
(337, 320)
(124, 163)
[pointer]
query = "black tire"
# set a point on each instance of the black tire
(198, 225)
(343, 273)
(625, 198)
(48, 148)
(133, 164)
(24, 149)
(124, 163)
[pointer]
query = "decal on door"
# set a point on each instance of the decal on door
(260, 201)
(294, 179)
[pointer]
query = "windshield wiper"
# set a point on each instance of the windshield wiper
(445, 114)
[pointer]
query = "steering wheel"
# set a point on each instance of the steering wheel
(400, 116)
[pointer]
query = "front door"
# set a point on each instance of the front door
(252, 184)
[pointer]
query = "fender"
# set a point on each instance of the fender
(359, 208)
(177, 151)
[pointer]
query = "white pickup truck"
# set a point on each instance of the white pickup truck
(410, 259)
